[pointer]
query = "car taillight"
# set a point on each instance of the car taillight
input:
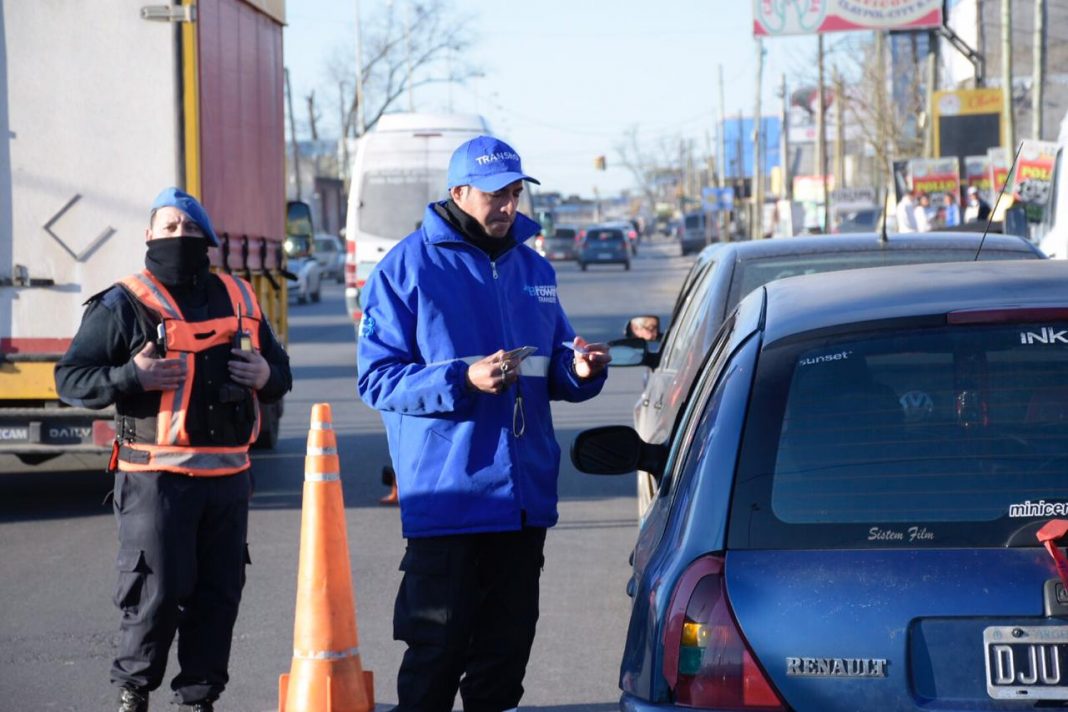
(707, 662)
(350, 263)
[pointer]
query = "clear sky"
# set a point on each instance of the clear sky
(565, 79)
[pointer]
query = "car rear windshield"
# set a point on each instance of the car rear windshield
(604, 236)
(564, 233)
(756, 272)
(935, 436)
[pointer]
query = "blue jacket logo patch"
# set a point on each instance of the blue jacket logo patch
(545, 293)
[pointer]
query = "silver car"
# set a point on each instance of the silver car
(726, 272)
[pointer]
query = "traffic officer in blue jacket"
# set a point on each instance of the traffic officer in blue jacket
(463, 344)
(185, 356)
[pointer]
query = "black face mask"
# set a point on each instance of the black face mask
(177, 260)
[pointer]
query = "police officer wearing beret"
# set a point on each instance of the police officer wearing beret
(186, 357)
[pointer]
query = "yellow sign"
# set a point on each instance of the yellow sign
(961, 108)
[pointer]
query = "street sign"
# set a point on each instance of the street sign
(717, 199)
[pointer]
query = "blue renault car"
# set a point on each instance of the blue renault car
(847, 512)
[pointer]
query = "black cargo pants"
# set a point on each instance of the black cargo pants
(467, 608)
(181, 563)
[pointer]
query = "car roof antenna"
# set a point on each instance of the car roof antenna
(994, 207)
(882, 232)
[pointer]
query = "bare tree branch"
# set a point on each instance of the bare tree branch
(412, 43)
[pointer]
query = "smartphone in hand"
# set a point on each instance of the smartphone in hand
(521, 353)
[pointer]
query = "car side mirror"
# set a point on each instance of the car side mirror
(634, 352)
(616, 450)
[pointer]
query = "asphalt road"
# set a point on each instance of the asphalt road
(57, 534)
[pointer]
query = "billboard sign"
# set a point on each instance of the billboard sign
(977, 175)
(999, 170)
(935, 177)
(807, 17)
(715, 199)
(1034, 177)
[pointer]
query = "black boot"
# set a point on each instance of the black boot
(206, 706)
(132, 700)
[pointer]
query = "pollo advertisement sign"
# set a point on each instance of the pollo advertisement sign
(977, 175)
(1034, 177)
(935, 176)
(806, 17)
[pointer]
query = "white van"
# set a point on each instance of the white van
(1053, 232)
(400, 166)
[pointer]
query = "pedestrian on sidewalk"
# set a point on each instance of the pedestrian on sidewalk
(441, 353)
(185, 356)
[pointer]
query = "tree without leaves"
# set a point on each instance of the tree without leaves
(649, 167)
(431, 45)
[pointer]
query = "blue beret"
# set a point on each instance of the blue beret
(174, 198)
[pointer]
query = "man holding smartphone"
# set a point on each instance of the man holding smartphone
(462, 348)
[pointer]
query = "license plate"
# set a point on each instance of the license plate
(605, 255)
(1026, 662)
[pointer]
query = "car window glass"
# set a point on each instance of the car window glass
(564, 233)
(682, 336)
(754, 273)
(390, 198)
(696, 273)
(955, 435)
(690, 445)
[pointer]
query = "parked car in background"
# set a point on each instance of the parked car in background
(330, 254)
(698, 230)
(861, 220)
(560, 246)
(848, 511)
(726, 272)
(301, 263)
(603, 245)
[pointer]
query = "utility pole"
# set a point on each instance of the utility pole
(1038, 82)
(343, 169)
(882, 153)
(310, 99)
(757, 231)
(786, 190)
(839, 131)
(932, 85)
(724, 218)
(1006, 74)
(821, 136)
(293, 134)
(361, 124)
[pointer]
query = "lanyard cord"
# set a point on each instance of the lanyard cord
(519, 417)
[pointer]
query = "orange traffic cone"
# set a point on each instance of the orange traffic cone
(326, 675)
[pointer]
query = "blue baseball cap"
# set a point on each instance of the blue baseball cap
(174, 198)
(486, 163)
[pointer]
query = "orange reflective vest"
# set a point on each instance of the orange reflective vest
(172, 450)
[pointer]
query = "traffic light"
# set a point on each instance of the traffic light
(598, 163)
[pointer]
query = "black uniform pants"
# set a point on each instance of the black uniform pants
(181, 563)
(467, 608)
